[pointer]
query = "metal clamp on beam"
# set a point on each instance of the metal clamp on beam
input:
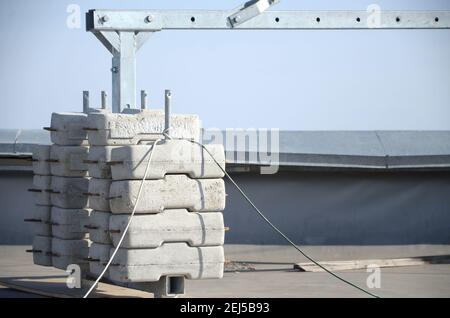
(250, 10)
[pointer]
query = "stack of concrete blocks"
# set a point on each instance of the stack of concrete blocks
(178, 229)
(39, 217)
(99, 159)
(62, 239)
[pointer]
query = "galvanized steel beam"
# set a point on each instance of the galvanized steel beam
(156, 20)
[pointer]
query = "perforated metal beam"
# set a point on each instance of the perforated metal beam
(155, 20)
(123, 32)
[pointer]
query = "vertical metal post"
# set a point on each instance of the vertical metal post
(143, 99)
(85, 102)
(104, 99)
(124, 73)
(167, 100)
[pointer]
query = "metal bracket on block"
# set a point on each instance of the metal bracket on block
(166, 287)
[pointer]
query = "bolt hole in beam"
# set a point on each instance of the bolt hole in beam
(317, 19)
(358, 19)
(397, 19)
(192, 19)
(277, 19)
(436, 19)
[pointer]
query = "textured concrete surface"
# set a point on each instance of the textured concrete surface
(98, 156)
(42, 248)
(65, 252)
(68, 161)
(67, 129)
(99, 194)
(39, 220)
(172, 192)
(98, 227)
(41, 155)
(148, 265)
(99, 256)
(108, 128)
(69, 193)
(41, 185)
(69, 224)
(179, 225)
(279, 280)
(169, 157)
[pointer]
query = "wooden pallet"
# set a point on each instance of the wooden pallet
(363, 264)
(55, 287)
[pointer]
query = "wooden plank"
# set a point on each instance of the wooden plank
(55, 287)
(363, 264)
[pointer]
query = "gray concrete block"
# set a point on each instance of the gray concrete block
(41, 188)
(42, 249)
(40, 157)
(148, 265)
(68, 161)
(69, 193)
(67, 129)
(97, 158)
(170, 157)
(152, 230)
(123, 129)
(98, 258)
(66, 252)
(39, 219)
(41, 228)
(172, 192)
(69, 224)
(99, 194)
(98, 226)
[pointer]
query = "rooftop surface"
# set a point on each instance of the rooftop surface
(272, 274)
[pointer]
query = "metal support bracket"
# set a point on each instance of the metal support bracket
(123, 32)
(123, 45)
(250, 10)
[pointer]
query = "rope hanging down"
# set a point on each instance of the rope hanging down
(150, 154)
(245, 197)
(278, 231)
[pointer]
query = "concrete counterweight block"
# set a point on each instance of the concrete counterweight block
(97, 160)
(67, 129)
(66, 252)
(169, 157)
(98, 258)
(172, 192)
(145, 126)
(177, 259)
(152, 230)
(41, 189)
(42, 249)
(68, 161)
(40, 159)
(69, 224)
(39, 219)
(98, 227)
(99, 194)
(69, 193)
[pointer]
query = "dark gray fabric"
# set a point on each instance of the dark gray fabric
(357, 208)
(342, 208)
(15, 203)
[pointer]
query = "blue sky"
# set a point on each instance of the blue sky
(298, 80)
